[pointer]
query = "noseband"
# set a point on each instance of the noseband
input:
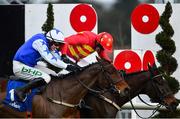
(99, 93)
(108, 78)
(159, 91)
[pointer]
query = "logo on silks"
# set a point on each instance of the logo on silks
(12, 101)
(31, 71)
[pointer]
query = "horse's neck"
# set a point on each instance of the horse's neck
(137, 82)
(70, 89)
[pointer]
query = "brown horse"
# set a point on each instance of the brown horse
(149, 82)
(61, 97)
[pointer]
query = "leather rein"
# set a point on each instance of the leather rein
(156, 108)
(97, 92)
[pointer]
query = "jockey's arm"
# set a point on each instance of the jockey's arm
(44, 51)
(57, 54)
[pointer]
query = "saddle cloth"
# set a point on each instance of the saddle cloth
(11, 99)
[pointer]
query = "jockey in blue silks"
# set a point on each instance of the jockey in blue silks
(37, 47)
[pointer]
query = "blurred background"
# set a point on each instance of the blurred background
(113, 17)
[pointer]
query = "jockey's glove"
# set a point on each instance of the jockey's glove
(72, 68)
(66, 59)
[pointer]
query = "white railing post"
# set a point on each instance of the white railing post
(142, 106)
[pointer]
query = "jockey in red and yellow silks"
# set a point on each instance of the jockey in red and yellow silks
(84, 43)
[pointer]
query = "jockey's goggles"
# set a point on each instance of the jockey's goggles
(55, 43)
(100, 46)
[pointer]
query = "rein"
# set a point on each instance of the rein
(91, 90)
(157, 106)
(96, 91)
(106, 77)
(63, 103)
(79, 105)
(100, 96)
(99, 93)
(110, 102)
(157, 76)
(144, 101)
(68, 104)
(154, 111)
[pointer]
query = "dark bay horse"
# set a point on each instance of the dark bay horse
(61, 97)
(149, 82)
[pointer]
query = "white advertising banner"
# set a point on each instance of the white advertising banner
(133, 60)
(69, 18)
(146, 40)
(143, 36)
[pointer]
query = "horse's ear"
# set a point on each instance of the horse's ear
(150, 68)
(154, 66)
(98, 59)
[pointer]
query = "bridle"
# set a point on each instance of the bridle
(158, 92)
(107, 77)
(101, 96)
(93, 91)
(99, 93)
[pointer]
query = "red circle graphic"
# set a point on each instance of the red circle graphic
(148, 58)
(145, 18)
(130, 57)
(89, 18)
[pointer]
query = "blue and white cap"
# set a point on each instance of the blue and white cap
(55, 35)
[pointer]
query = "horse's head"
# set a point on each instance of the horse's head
(112, 77)
(159, 90)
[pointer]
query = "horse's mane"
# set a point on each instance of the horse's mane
(73, 73)
(57, 81)
(134, 73)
